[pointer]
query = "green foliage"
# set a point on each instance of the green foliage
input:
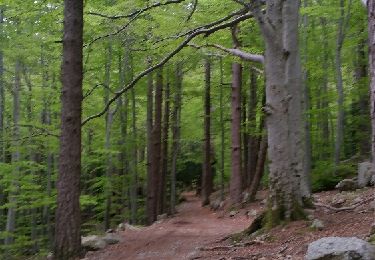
(326, 175)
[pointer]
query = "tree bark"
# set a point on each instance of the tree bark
(164, 150)
(154, 183)
(236, 177)
(222, 131)
(68, 215)
(207, 183)
(107, 143)
(253, 141)
(279, 26)
(371, 32)
(176, 116)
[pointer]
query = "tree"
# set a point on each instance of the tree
(207, 180)
(279, 26)
(68, 215)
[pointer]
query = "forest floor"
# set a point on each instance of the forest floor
(199, 233)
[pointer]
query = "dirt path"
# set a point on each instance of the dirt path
(179, 237)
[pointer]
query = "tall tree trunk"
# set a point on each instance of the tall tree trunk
(253, 141)
(324, 93)
(14, 186)
(236, 180)
(164, 150)
(154, 183)
(107, 143)
(176, 116)
(360, 77)
(371, 32)
(283, 108)
(339, 85)
(68, 213)
(134, 178)
(245, 141)
(305, 178)
(2, 95)
(207, 183)
(222, 131)
(2, 114)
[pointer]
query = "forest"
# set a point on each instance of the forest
(124, 116)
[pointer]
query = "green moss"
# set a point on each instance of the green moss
(372, 239)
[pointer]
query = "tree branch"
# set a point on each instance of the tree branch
(202, 31)
(235, 52)
(137, 12)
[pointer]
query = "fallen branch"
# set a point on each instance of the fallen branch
(344, 208)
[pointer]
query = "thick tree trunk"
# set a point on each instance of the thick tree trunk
(305, 178)
(154, 183)
(207, 183)
(283, 109)
(68, 215)
(176, 116)
(236, 177)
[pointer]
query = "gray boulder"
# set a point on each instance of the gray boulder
(347, 185)
(365, 173)
(340, 248)
(93, 243)
(111, 238)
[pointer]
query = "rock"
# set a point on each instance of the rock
(372, 181)
(49, 256)
(215, 204)
(252, 213)
(317, 224)
(112, 238)
(372, 229)
(365, 174)
(110, 231)
(93, 243)
(347, 185)
(233, 213)
(340, 248)
(126, 226)
(162, 217)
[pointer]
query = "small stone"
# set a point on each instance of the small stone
(112, 238)
(310, 217)
(252, 213)
(347, 185)
(49, 256)
(121, 227)
(372, 181)
(357, 200)
(233, 213)
(317, 224)
(93, 243)
(110, 231)
(162, 217)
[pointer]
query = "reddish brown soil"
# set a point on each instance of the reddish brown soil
(197, 233)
